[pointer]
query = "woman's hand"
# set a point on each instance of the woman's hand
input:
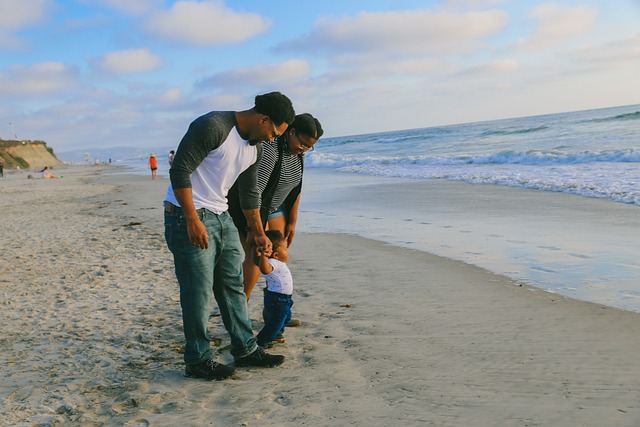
(289, 232)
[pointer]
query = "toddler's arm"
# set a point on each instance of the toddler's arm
(263, 262)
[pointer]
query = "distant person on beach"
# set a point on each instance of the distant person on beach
(280, 184)
(46, 173)
(277, 296)
(171, 154)
(153, 165)
(219, 148)
(1, 170)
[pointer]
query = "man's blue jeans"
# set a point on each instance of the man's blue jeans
(203, 272)
(277, 313)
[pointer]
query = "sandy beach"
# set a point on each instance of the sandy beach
(91, 332)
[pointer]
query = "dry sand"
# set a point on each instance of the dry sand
(91, 330)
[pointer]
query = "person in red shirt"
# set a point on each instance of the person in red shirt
(153, 164)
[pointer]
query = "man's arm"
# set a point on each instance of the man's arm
(202, 137)
(260, 239)
(250, 204)
(198, 235)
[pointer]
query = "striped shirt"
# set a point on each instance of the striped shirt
(290, 176)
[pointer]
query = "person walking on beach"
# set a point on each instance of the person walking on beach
(277, 297)
(171, 154)
(1, 170)
(280, 184)
(153, 165)
(219, 148)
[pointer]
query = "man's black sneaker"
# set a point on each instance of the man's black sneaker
(260, 358)
(209, 370)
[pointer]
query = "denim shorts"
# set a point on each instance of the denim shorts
(276, 213)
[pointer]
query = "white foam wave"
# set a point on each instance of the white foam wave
(614, 181)
(533, 157)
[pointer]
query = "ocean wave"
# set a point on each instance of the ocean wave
(390, 138)
(627, 116)
(532, 157)
(611, 181)
(513, 131)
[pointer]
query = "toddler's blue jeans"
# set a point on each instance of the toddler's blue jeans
(277, 309)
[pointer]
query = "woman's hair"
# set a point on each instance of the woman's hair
(306, 124)
(277, 106)
(276, 238)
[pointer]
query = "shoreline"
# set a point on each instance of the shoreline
(92, 333)
(580, 247)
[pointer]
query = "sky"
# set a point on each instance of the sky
(110, 73)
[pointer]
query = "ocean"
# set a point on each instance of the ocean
(591, 155)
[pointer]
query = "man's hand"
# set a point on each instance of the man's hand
(198, 235)
(263, 244)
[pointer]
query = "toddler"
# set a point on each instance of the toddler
(277, 296)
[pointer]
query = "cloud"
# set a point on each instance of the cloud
(103, 117)
(363, 73)
(171, 96)
(133, 7)
(495, 68)
(128, 61)
(414, 67)
(470, 4)
(15, 15)
(402, 32)
(261, 74)
(557, 24)
(39, 80)
(206, 23)
(612, 53)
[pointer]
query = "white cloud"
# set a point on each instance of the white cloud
(403, 32)
(366, 73)
(612, 53)
(220, 102)
(557, 24)
(127, 62)
(206, 23)
(45, 78)
(15, 15)
(415, 66)
(470, 4)
(172, 96)
(133, 7)
(495, 68)
(257, 75)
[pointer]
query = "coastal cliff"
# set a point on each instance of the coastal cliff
(27, 154)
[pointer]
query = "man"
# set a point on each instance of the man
(218, 149)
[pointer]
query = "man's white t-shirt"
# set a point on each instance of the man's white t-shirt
(216, 174)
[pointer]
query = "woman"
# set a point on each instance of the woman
(280, 183)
